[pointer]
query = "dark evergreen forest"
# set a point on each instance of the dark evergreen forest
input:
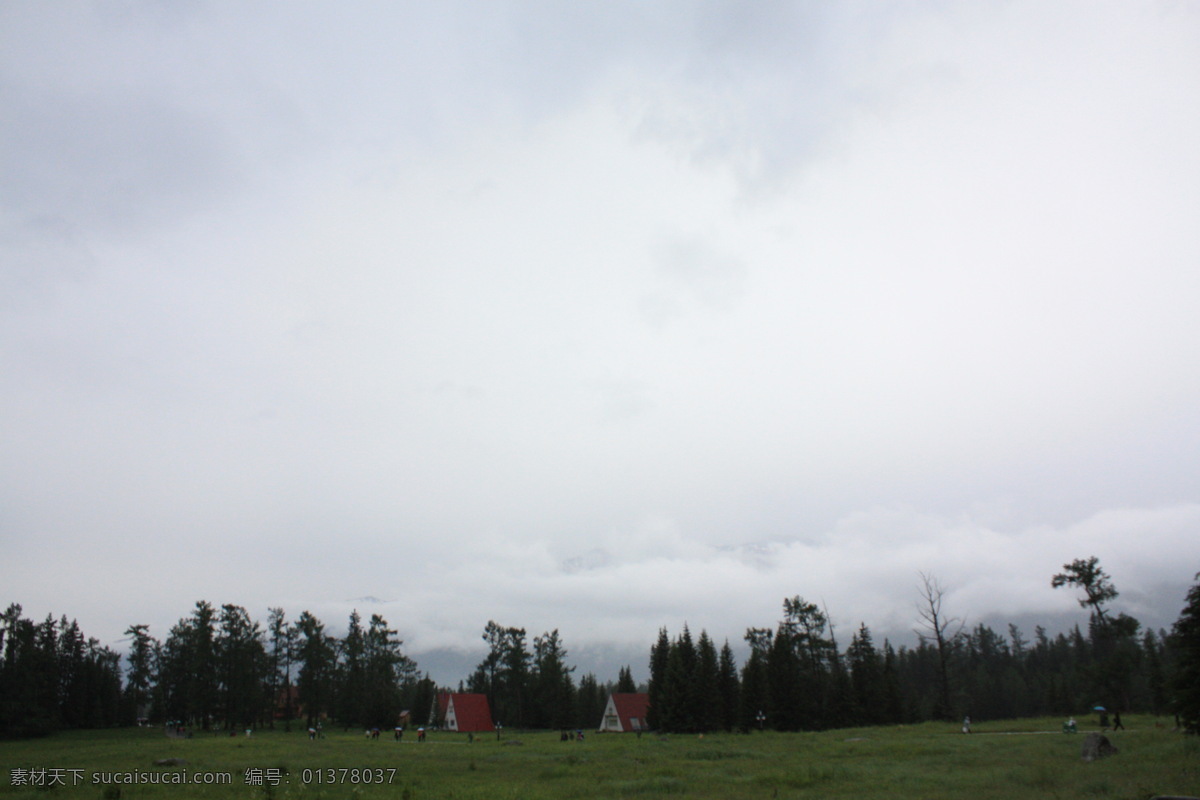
(219, 669)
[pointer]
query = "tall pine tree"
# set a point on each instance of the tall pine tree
(1185, 641)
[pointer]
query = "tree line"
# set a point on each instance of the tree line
(217, 669)
(220, 669)
(798, 678)
(537, 689)
(53, 677)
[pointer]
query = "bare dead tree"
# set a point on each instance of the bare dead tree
(942, 629)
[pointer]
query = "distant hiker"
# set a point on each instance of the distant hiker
(312, 733)
(399, 733)
(1117, 726)
(420, 734)
(966, 724)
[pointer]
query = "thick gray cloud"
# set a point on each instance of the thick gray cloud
(596, 316)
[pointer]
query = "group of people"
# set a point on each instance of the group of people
(397, 733)
(1071, 726)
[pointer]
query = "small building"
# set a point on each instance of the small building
(626, 712)
(465, 712)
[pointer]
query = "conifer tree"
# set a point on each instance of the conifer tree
(189, 669)
(728, 689)
(282, 636)
(1185, 642)
(351, 674)
(784, 685)
(866, 677)
(625, 682)
(139, 678)
(387, 672)
(241, 661)
(553, 690)
(516, 663)
(1114, 645)
(679, 693)
(504, 673)
(704, 689)
(317, 665)
(419, 700)
(73, 669)
(756, 707)
(590, 701)
(1096, 584)
(660, 654)
(893, 702)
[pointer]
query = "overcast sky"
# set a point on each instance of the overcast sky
(597, 316)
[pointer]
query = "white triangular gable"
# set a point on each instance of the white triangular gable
(611, 720)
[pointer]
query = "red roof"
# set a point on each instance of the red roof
(471, 712)
(631, 706)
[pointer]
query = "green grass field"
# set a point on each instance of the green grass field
(1011, 759)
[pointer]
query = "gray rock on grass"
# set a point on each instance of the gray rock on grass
(1097, 745)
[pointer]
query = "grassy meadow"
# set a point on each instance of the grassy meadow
(1010, 759)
